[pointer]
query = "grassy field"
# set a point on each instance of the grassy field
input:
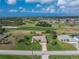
(58, 45)
(63, 57)
(36, 28)
(11, 22)
(33, 46)
(18, 57)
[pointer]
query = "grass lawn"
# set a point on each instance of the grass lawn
(36, 46)
(63, 57)
(18, 57)
(33, 46)
(59, 45)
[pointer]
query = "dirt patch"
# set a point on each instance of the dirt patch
(15, 36)
(68, 31)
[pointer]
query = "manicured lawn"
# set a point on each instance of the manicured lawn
(58, 45)
(18, 57)
(63, 57)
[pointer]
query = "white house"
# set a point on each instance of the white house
(75, 41)
(64, 38)
(76, 38)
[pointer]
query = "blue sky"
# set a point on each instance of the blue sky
(39, 8)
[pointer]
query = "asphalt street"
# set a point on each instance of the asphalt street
(20, 52)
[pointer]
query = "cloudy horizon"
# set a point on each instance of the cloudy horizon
(34, 7)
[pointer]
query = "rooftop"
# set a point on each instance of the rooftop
(63, 37)
(77, 37)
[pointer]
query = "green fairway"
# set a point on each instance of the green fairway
(36, 28)
(18, 57)
(63, 57)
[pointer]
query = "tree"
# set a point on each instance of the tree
(43, 24)
(54, 34)
(48, 31)
(27, 40)
(54, 42)
(2, 29)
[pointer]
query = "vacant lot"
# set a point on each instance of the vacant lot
(20, 40)
(68, 31)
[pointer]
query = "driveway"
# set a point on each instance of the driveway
(44, 47)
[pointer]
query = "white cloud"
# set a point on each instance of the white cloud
(46, 1)
(74, 3)
(43, 10)
(13, 10)
(40, 1)
(38, 5)
(68, 6)
(24, 10)
(31, 1)
(50, 9)
(20, 8)
(61, 2)
(11, 1)
(70, 3)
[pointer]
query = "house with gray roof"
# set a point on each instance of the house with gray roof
(64, 38)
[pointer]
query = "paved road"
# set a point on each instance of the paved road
(18, 52)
